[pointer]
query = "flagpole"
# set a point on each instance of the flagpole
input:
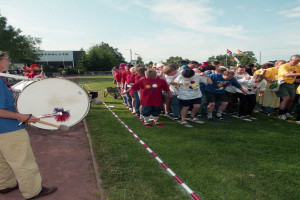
(260, 57)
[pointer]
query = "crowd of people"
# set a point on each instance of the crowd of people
(195, 90)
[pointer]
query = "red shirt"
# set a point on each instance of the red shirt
(124, 75)
(131, 81)
(136, 79)
(151, 90)
(117, 77)
(128, 75)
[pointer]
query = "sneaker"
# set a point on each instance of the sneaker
(175, 118)
(283, 117)
(297, 122)
(195, 119)
(45, 191)
(148, 125)
(220, 117)
(185, 123)
(243, 117)
(199, 115)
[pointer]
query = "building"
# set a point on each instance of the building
(60, 59)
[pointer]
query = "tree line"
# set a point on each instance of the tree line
(99, 57)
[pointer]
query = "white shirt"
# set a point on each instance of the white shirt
(169, 80)
(189, 88)
(250, 86)
(238, 77)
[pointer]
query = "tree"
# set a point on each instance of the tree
(101, 57)
(139, 60)
(227, 60)
(174, 59)
(21, 48)
(82, 63)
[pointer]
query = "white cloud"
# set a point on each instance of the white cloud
(192, 15)
(291, 13)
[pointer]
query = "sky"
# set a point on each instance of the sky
(158, 29)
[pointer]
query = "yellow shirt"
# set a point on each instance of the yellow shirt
(271, 73)
(298, 90)
(286, 68)
(259, 71)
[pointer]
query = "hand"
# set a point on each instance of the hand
(24, 117)
(244, 92)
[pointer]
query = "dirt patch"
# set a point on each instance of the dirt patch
(65, 161)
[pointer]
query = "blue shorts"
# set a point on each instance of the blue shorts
(189, 102)
(151, 110)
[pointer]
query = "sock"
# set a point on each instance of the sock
(155, 118)
(209, 115)
(146, 119)
(219, 113)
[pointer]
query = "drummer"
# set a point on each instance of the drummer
(18, 169)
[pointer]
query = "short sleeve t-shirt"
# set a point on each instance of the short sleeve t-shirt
(286, 68)
(7, 103)
(271, 73)
(170, 79)
(219, 84)
(151, 90)
(189, 88)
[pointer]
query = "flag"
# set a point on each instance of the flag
(229, 52)
(232, 59)
(240, 53)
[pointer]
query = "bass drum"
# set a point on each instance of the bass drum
(44, 96)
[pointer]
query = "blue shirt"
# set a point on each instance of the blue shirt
(219, 84)
(7, 102)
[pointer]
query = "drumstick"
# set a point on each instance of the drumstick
(60, 127)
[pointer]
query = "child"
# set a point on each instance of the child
(151, 93)
(216, 92)
(117, 74)
(170, 74)
(189, 93)
(140, 74)
(250, 85)
(125, 81)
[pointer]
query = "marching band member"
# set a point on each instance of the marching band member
(18, 169)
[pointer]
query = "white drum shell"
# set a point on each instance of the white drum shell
(18, 87)
(42, 97)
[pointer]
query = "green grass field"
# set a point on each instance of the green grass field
(239, 160)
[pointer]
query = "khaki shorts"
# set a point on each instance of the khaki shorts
(286, 90)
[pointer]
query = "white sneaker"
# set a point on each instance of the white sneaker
(283, 117)
(297, 122)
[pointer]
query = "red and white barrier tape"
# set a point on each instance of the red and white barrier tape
(156, 157)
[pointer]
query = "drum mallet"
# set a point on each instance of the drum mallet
(60, 127)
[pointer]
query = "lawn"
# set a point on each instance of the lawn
(238, 160)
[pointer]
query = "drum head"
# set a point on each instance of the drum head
(42, 97)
